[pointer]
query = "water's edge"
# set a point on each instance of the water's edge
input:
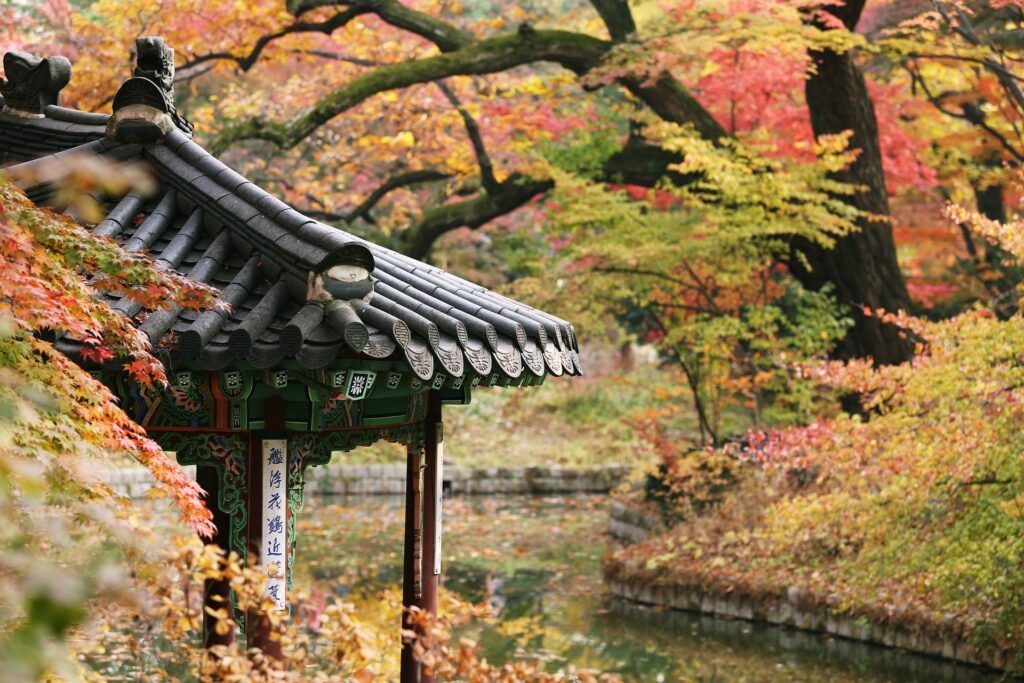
(794, 609)
(786, 612)
(624, 524)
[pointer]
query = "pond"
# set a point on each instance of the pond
(538, 561)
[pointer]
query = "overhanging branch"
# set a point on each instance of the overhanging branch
(393, 183)
(246, 62)
(617, 18)
(487, 178)
(366, 206)
(446, 36)
(511, 194)
(574, 51)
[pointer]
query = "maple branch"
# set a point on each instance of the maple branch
(363, 209)
(336, 56)
(180, 77)
(472, 128)
(508, 196)
(617, 18)
(648, 273)
(968, 59)
(970, 113)
(574, 51)
(962, 26)
(986, 482)
(327, 27)
(445, 36)
(393, 183)
(692, 380)
(462, 54)
(487, 178)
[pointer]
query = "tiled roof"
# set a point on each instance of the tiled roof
(24, 139)
(210, 223)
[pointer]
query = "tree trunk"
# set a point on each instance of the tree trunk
(990, 200)
(862, 266)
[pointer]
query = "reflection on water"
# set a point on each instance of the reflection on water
(727, 650)
(537, 559)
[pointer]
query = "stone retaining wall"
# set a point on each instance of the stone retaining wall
(788, 611)
(793, 649)
(628, 525)
(342, 479)
(135, 482)
(390, 479)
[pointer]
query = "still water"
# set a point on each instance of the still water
(537, 560)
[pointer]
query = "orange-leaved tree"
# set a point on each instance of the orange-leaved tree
(61, 430)
(413, 120)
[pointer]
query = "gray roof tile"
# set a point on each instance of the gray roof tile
(213, 225)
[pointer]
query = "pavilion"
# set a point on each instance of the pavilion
(328, 342)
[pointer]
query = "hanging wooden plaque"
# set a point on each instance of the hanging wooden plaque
(274, 549)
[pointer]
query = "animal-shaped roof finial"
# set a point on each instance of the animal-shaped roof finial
(144, 105)
(32, 82)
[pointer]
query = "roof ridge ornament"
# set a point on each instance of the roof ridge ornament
(33, 83)
(144, 105)
(342, 277)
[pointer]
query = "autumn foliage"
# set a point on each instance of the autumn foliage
(651, 171)
(60, 428)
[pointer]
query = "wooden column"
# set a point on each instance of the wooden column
(216, 593)
(258, 628)
(433, 456)
(411, 566)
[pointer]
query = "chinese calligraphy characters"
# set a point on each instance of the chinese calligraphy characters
(275, 519)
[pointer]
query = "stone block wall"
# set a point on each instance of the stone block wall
(390, 479)
(789, 610)
(350, 480)
(629, 525)
(135, 482)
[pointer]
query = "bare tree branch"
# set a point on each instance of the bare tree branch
(487, 178)
(576, 52)
(511, 194)
(617, 18)
(444, 35)
(246, 62)
(972, 114)
(366, 206)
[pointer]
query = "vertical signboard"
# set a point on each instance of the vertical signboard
(274, 553)
(438, 485)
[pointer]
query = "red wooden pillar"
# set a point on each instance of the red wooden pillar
(433, 456)
(258, 628)
(411, 567)
(216, 593)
